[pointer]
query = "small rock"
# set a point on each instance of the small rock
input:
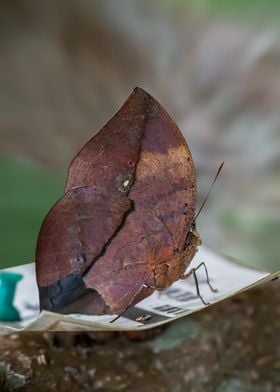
(9, 380)
(15, 381)
(98, 384)
(71, 371)
(92, 373)
(131, 367)
(235, 385)
(41, 359)
(175, 335)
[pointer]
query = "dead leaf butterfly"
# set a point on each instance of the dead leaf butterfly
(125, 225)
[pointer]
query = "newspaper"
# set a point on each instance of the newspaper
(179, 300)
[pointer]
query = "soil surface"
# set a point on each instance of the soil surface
(231, 347)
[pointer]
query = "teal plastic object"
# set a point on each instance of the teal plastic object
(8, 283)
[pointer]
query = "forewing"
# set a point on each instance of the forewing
(149, 248)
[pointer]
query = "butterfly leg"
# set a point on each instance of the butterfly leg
(193, 272)
(144, 286)
(202, 264)
(130, 302)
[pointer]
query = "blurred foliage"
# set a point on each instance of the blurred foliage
(231, 8)
(27, 192)
(261, 7)
(256, 228)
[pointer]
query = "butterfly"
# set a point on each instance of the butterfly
(125, 225)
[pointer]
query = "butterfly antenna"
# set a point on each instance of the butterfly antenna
(210, 190)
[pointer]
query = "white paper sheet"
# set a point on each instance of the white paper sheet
(177, 301)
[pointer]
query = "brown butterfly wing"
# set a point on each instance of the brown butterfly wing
(141, 161)
(150, 247)
(111, 156)
(78, 227)
(72, 236)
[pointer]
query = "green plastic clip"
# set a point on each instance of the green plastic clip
(8, 283)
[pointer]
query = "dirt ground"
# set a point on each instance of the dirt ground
(232, 347)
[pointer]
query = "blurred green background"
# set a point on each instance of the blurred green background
(66, 66)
